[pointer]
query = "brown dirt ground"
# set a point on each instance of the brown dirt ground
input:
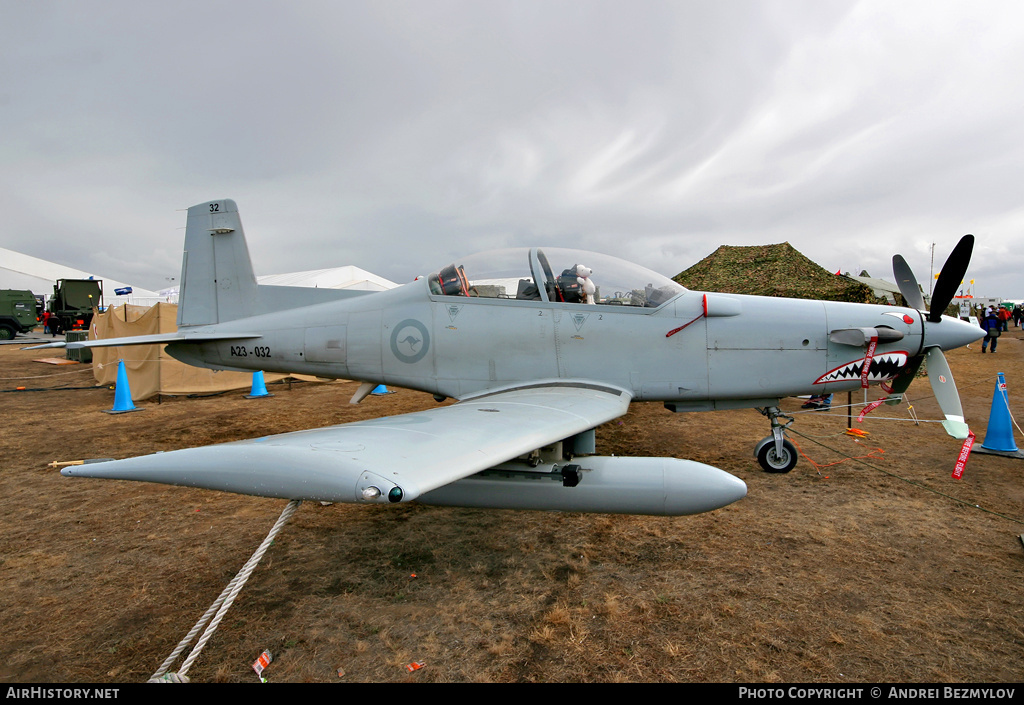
(884, 570)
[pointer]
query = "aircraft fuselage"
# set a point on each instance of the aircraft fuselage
(704, 351)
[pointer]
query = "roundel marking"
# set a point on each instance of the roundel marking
(410, 341)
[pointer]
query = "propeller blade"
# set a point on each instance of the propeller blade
(901, 381)
(907, 283)
(950, 277)
(945, 393)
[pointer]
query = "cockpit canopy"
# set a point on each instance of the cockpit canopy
(556, 275)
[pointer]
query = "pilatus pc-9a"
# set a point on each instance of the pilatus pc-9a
(538, 347)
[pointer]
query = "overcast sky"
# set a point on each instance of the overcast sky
(398, 136)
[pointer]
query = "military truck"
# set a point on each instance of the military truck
(17, 312)
(72, 304)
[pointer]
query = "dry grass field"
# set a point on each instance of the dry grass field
(881, 569)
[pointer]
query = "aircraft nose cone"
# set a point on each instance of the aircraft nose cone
(950, 333)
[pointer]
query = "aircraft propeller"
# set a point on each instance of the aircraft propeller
(938, 333)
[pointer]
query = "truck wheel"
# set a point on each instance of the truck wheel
(773, 462)
(6, 332)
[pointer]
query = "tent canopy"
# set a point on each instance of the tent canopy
(771, 270)
(150, 369)
(18, 271)
(349, 277)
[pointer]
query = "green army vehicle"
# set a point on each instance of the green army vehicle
(17, 312)
(72, 303)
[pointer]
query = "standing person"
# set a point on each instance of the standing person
(1004, 318)
(819, 402)
(51, 323)
(992, 327)
(1017, 314)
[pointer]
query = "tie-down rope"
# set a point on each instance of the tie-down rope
(220, 606)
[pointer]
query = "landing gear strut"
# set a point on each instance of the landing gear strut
(774, 452)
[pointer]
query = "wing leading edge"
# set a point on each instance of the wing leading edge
(394, 458)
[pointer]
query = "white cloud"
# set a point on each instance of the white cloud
(396, 135)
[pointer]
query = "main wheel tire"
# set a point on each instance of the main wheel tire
(773, 462)
(7, 332)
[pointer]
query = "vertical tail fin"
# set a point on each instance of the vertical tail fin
(217, 281)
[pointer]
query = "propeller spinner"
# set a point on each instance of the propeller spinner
(939, 333)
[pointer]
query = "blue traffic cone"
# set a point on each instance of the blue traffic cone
(122, 393)
(259, 387)
(379, 389)
(999, 434)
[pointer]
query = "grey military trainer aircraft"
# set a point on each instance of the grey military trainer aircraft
(538, 347)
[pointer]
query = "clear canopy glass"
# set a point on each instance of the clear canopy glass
(554, 274)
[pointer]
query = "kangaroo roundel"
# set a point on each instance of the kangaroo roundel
(410, 341)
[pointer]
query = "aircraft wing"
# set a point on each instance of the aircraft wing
(401, 457)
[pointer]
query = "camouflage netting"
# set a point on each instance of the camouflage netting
(771, 270)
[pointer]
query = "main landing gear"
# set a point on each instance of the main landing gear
(774, 452)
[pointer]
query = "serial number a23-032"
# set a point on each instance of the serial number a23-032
(257, 351)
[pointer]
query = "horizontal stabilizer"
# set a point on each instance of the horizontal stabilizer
(158, 338)
(58, 344)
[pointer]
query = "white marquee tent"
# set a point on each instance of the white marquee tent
(18, 271)
(349, 277)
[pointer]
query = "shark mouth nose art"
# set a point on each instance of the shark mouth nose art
(883, 366)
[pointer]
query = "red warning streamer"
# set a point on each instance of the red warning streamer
(867, 361)
(676, 330)
(965, 452)
(870, 407)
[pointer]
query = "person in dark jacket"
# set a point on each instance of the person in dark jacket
(992, 326)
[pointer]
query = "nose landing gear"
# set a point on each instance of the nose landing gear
(774, 453)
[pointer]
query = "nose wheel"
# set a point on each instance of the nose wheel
(771, 460)
(774, 453)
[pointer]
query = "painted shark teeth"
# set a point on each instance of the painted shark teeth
(883, 366)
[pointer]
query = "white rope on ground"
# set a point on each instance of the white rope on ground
(914, 417)
(220, 606)
(100, 365)
(52, 374)
(1006, 402)
(838, 407)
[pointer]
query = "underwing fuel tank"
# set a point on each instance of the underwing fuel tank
(608, 485)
